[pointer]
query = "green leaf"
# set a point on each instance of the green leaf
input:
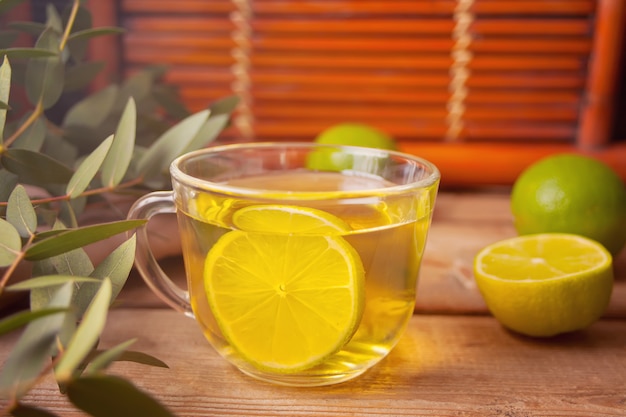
(35, 168)
(28, 53)
(10, 243)
(92, 110)
(77, 238)
(81, 75)
(48, 281)
(226, 105)
(142, 358)
(4, 106)
(117, 265)
(138, 86)
(20, 212)
(107, 396)
(22, 318)
(22, 410)
(5, 89)
(29, 355)
(8, 38)
(8, 181)
(33, 137)
(118, 159)
(167, 97)
(31, 28)
(53, 19)
(44, 76)
(92, 33)
(88, 169)
(107, 357)
(211, 129)
(87, 333)
(170, 144)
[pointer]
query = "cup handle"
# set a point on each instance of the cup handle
(147, 206)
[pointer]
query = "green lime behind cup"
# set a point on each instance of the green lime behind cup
(348, 134)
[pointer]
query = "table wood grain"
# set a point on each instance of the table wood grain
(443, 366)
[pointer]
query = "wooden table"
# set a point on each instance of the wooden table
(453, 360)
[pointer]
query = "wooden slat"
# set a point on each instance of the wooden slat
(180, 7)
(356, 7)
(422, 7)
(287, 110)
(544, 27)
(414, 45)
(182, 24)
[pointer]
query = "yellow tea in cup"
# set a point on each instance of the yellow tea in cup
(296, 275)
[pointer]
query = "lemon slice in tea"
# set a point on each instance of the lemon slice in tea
(545, 284)
(287, 219)
(285, 302)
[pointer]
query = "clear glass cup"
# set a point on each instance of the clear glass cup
(301, 259)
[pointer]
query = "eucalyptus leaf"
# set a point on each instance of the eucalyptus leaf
(8, 38)
(28, 53)
(142, 358)
(108, 395)
(33, 137)
(105, 358)
(20, 212)
(117, 265)
(87, 333)
(44, 76)
(31, 28)
(79, 76)
(5, 89)
(218, 119)
(167, 97)
(82, 21)
(95, 32)
(156, 160)
(77, 238)
(4, 106)
(10, 243)
(118, 159)
(35, 168)
(53, 19)
(8, 181)
(59, 149)
(138, 86)
(92, 110)
(23, 410)
(29, 355)
(48, 281)
(22, 318)
(88, 169)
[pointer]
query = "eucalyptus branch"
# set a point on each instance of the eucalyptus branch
(37, 111)
(11, 269)
(70, 25)
(92, 192)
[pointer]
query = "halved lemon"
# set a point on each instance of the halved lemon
(273, 218)
(545, 284)
(285, 302)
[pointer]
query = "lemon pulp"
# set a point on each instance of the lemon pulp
(285, 302)
(545, 284)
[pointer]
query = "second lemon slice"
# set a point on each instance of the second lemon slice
(287, 219)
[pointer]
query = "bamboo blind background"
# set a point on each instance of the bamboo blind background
(480, 87)
(421, 70)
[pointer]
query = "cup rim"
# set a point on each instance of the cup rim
(432, 179)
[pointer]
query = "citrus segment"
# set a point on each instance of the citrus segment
(285, 302)
(288, 219)
(545, 284)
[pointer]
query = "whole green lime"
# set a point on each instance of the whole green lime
(348, 134)
(571, 193)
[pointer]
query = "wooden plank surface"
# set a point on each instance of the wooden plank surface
(443, 366)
